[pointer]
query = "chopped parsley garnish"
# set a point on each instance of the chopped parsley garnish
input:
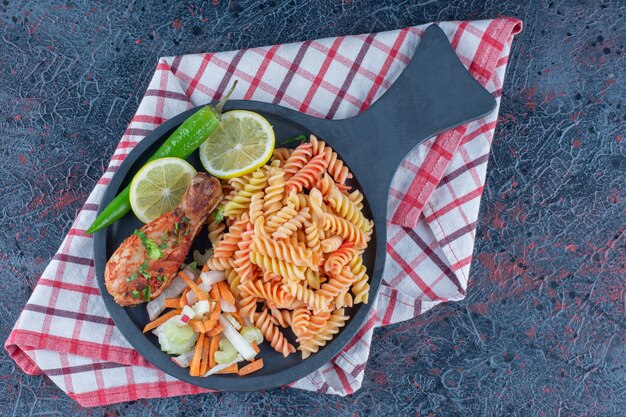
(146, 293)
(132, 277)
(218, 214)
(192, 265)
(135, 293)
(143, 269)
(298, 138)
(163, 245)
(153, 250)
(162, 278)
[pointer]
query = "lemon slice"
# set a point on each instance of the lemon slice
(243, 142)
(159, 186)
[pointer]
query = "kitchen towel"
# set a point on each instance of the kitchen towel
(65, 330)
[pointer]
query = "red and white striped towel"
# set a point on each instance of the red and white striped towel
(65, 330)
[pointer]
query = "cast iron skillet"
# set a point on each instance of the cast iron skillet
(434, 93)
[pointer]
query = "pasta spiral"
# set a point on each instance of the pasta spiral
(247, 305)
(357, 198)
(278, 267)
(280, 250)
(300, 318)
(216, 231)
(297, 160)
(281, 155)
(308, 175)
(219, 264)
(346, 208)
(274, 192)
(337, 284)
(337, 259)
(273, 334)
(315, 301)
(232, 277)
(285, 214)
(313, 278)
(331, 244)
(345, 229)
(242, 264)
(291, 225)
(281, 318)
(319, 339)
(256, 206)
(226, 247)
(336, 167)
(270, 291)
(361, 287)
(241, 201)
(312, 237)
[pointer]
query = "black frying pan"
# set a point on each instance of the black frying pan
(434, 93)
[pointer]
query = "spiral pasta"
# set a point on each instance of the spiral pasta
(281, 155)
(274, 192)
(256, 206)
(297, 160)
(272, 334)
(241, 201)
(345, 229)
(361, 287)
(216, 231)
(308, 175)
(337, 284)
(333, 324)
(233, 279)
(336, 167)
(281, 318)
(315, 301)
(285, 214)
(291, 246)
(331, 244)
(280, 250)
(270, 291)
(278, 267)
(290, 226)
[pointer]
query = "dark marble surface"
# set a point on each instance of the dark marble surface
(542, 331)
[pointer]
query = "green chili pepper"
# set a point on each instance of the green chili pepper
(185, 139)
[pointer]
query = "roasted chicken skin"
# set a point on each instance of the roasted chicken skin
(146, 262)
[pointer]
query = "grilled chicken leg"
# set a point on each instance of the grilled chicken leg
(145, 263)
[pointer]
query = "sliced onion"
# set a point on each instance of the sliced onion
(156, 307)
(192, 297)
(212, 277)
(218, 368)
(227, 308)
(202, 307)
(205, 288)
(243, 347)
(233, 321)
(184, 360)
(175, 289)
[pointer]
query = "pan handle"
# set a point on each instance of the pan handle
(434, 93)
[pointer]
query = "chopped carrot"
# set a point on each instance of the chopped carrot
(215, 328)
(251, 367)
(192, 285)
(237, 317)
(214, 294)
(172, 303)
(214, 344)
(205, 268)
(225, 292)
(197, 355)
(196, 325)
(160, 320)
(182, 302)
(232, 369)
(255, 347)
(204, 363)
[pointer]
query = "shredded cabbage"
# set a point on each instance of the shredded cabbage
(176, 340)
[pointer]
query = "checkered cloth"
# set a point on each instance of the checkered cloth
(65, 330)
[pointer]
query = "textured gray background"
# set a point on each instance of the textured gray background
(542, 330)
